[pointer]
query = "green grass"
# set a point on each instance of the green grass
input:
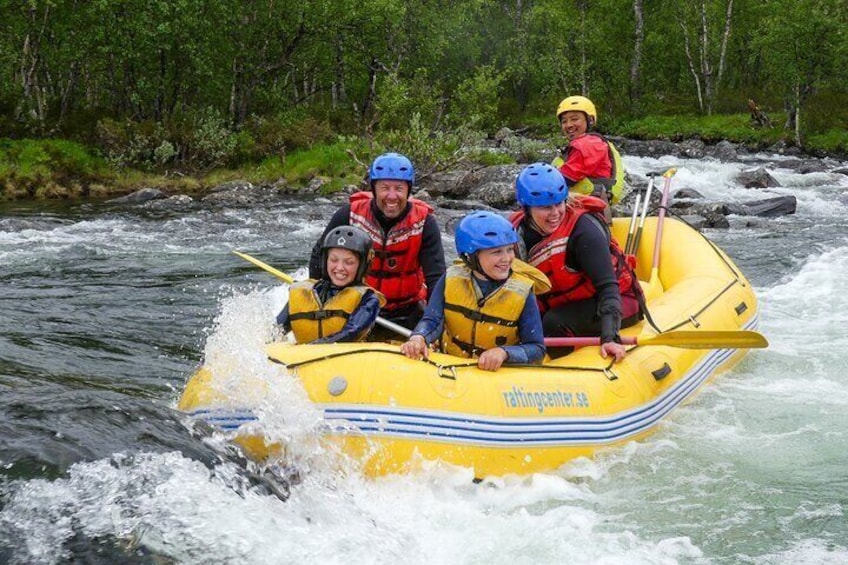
(711, 129)
(55, 168)
(490, 158)
(832, 141)
(35, 168)
(330, 161)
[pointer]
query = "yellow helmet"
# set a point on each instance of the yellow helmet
(579, 104)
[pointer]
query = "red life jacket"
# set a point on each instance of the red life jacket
(595, 153)
(395, 270)
(549, 256)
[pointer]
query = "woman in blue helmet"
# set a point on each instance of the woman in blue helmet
(484, 307)
(594, 291)
(409, 258)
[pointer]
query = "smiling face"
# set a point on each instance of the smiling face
(573, 123)
(496, 262)
(548, 218)
(341, 266)
(391, 196)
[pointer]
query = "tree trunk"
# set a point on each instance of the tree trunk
(798, 114)
(724, 39)
(706, 67)
(691, 63)
(584, 86)
(33, 102)
(789, 106)
(636, 62)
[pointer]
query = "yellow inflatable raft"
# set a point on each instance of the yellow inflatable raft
(389, 411)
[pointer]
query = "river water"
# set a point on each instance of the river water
(107, 310)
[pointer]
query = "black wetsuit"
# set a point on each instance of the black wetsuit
(587, 251)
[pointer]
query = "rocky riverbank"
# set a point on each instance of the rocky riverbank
(493, 186)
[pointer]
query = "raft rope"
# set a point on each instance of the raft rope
(737, 277)
(446, 370)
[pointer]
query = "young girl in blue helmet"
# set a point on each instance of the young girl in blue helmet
(338, 307)
(485, 306)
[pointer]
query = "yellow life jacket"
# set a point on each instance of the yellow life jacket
(614, 185)
(473, 323)
(311, 320)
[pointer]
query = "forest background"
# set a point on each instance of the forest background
(103, 96)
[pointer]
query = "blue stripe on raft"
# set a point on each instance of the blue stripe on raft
(229, 420)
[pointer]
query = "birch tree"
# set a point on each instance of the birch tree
(697, 24)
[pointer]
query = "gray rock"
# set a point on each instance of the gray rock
(770, 207)
(783, 148)
(451, 184)
(687, 193)
(503, 134)
(232, 185)
(681, 205)
(725, 151)
(139, 196)
(495, 186)
(238, 194)
(497, 194)
(176, 202)
(716, 220)
(757, 178)
(811, 166)
(692, 148)
(730, 208)
(314, 186)
(695, 221)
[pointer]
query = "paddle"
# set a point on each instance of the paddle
(718, 339)
(286, 278)
(631, 229)
(655, 264)
(634, 244)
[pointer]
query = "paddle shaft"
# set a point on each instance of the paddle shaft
(397, 328)
(718, 339)
(632, 227)
(638, 235)
(661, 218)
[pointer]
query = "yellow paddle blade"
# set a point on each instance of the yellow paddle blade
(718, 339)
(265, 266)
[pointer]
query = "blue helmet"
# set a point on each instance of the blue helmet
(392, 166)
(540, 184)
(483, 230)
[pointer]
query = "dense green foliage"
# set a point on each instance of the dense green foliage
(191, 85)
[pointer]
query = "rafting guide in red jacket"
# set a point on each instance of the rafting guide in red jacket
(408, 255)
